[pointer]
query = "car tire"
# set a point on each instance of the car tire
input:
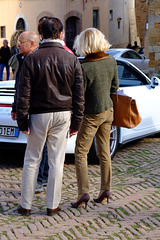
(114, 144)
(92, 155)
(114, 140)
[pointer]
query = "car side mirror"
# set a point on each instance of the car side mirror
(155, 81)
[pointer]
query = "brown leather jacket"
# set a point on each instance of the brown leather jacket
(51, 80)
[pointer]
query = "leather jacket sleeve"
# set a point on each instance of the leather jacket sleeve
(78, 98)
(23, 98)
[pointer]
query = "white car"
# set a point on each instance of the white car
(132, 56)
(133, 82)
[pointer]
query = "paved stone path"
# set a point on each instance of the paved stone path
(133, 211)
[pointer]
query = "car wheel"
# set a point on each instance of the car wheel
(114, 143)
(114, 140)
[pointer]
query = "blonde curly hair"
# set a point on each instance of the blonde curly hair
(91, 40)
(14, 38)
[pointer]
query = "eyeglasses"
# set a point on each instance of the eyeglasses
(21, 42)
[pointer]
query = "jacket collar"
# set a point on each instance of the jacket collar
(95, 57)
(50, 44)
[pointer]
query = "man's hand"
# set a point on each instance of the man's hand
(14, 115)
(26, 132)
(72, 132)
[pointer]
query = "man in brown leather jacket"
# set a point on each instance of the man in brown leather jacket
(50, 87)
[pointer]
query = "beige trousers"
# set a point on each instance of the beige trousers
(98, 125)
(53, 127)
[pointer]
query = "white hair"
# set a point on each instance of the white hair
(90, 40)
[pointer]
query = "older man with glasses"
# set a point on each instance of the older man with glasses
(27, 43)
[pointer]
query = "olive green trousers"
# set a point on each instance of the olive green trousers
(98, 125)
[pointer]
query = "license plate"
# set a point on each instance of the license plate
(6, 131)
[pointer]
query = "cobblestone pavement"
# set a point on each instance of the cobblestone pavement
(133, 211)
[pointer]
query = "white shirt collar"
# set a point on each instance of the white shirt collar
(52, 40)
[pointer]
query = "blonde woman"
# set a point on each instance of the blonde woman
(13, 62)
(14, 42)
(100, 80)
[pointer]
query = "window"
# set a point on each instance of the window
(96, 18)
(131, 55)
(111, 14)
(129, 77)
(3, 31)
(119, 22)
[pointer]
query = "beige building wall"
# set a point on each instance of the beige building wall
(118, 23)
(122, 25)
(134, 35)
(32, 10)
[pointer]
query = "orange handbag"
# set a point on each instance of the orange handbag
(125, 111)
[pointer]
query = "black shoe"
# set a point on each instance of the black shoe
(23, 211)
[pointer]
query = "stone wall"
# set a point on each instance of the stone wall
(154, 36)
(141, 19)
(148, 26)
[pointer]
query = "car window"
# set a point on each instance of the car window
(131, 55)
(129, 77)
(140, 50)
(112, 52)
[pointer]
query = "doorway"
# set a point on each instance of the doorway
(20, 24)
(72, 30)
